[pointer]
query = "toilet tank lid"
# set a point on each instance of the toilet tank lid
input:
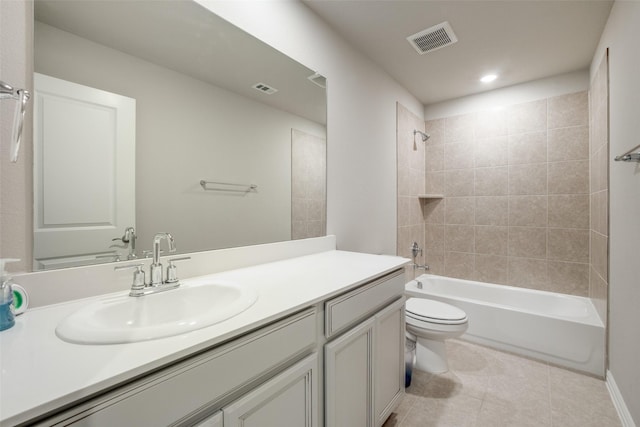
(431, 309)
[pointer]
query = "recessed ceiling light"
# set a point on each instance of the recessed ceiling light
(488, 78)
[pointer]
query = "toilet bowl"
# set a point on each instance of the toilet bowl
(430, 323)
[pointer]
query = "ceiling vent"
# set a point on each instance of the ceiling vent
(264, 88)
(433, 38)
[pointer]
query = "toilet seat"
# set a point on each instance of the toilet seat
(420, 310)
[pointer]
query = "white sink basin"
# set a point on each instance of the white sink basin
(130, 319)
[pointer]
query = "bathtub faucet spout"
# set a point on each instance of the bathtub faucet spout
(415, 251)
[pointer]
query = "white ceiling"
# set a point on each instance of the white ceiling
(517, 39)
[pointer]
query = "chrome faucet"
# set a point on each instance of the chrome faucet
(156, 267)
(129, 239)
(415, 251)
(156, 282)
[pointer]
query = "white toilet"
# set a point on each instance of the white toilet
(429, 323)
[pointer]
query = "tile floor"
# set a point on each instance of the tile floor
(489, 388)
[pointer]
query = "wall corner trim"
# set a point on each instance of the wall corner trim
(618, 402)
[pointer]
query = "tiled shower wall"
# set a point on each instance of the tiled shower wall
(308, 185)
(599, 155)
(515, 183)
(411, 182)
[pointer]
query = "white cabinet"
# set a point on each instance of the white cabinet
(289, 399)
(214, 420)
(348, 378)
(389, 360)
(364, 377)
(179, 393)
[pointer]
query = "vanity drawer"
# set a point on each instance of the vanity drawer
(347, 309)
(210, 379)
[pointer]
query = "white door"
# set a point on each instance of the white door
(289, 399)
(84, 170)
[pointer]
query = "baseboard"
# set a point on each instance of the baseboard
(618, 402)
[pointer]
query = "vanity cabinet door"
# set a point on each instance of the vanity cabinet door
(290, 399)
(348, 378)
(389, 360)
(214, 420)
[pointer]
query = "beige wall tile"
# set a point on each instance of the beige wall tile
(527, 272)
(417, 181)
(491, 151)
(527, 117)
(298, 209)
(492, 181)
(527, 148)
(459, 238)
(598, 290)
(600, 170)
(491, 240)
(404, 184)
(599, 127)
(459, 155)
(491, 269)
(435, 261)
(316, 228)
(460, 210)
(569, 211)
(434, 211)
(459, 182)
(434, 158)
(314, 209)
(569, 110)
(459, 128)
(435, 129)
(600, 254)
(569, 245)
(404, 211)
(434, 182)
(569, 143)
(460, 265)
(527, 242)
(491, 123)
(525, 186)
(492, 210)
(416, 155)
(528, 179)
(569, 177)
(434, 237)
(569, 278)
(528, 211)
(298, 230)
(600, 212)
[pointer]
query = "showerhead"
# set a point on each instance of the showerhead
(424, 136)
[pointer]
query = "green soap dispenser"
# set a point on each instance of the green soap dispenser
(6, 297)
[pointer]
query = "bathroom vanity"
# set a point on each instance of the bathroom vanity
(322, 345)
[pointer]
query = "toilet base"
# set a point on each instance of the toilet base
(431, 356)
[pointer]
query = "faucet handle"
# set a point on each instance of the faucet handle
(172, 271)
(148, 252)
(138, 285)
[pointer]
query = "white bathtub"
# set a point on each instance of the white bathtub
(562, 329)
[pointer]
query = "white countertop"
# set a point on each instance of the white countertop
(39, 372)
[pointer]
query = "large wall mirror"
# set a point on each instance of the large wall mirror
(159, 116)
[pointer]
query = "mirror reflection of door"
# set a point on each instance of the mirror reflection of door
(78, 210)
